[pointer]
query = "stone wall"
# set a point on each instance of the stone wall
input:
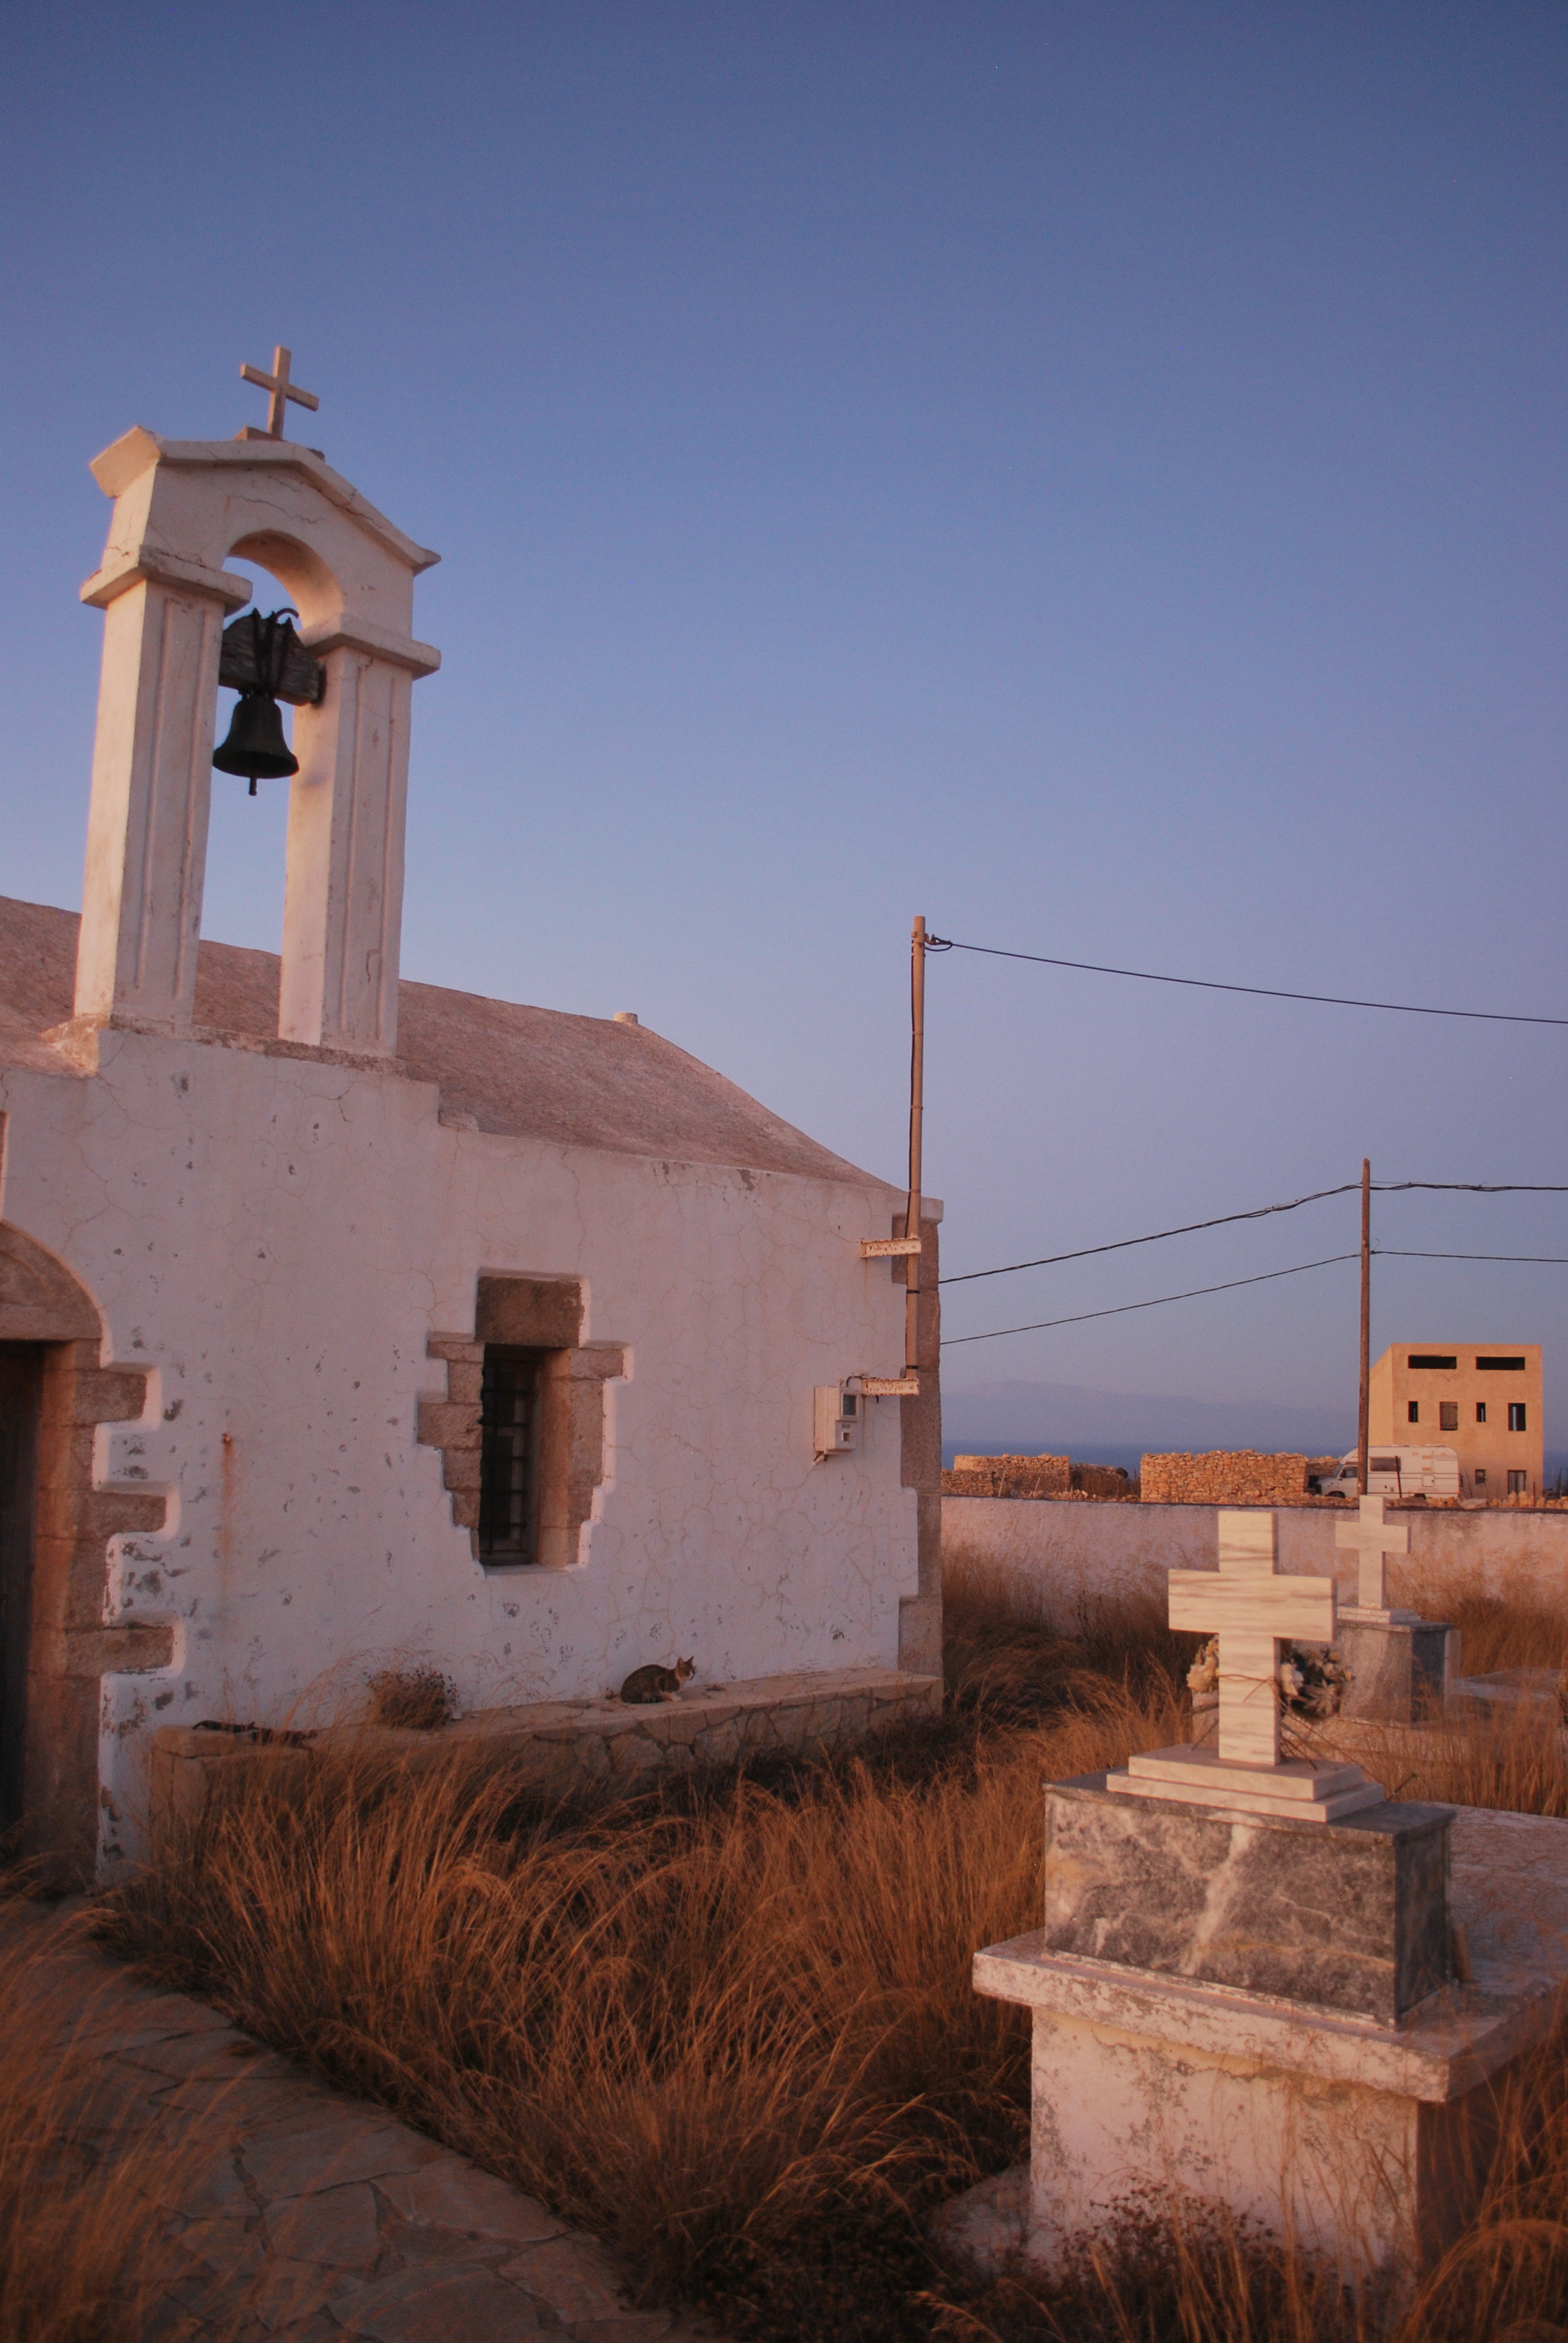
(1224, 1476)
(1072, 1555)
(1008, 1476)
(1034, 1476)
(564, 1746)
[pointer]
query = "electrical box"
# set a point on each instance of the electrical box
(838, 1419)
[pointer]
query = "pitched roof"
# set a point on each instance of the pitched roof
(538, 1073)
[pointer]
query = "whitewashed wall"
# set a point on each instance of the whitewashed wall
(274, 1238)
(1077, 1552)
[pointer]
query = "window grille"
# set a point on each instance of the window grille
(509, 1455)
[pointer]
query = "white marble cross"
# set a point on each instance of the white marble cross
(281, 390)
(1375, 1539)
(1252, 1611)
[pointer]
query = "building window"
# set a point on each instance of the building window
(1516, 1481)
(1432, 1360)
(1516, 1415)
(1480, 1410)
(1501, 1366)
(1481, 1476)
(1412, 1411)
(1448, 1416)
(509, 1454)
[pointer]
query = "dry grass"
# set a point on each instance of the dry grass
(1517, 1628)
(731, 2030)
(84, 2254)
(418, 1699)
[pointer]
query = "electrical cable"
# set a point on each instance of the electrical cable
(1473, 1187)
(950, 1342)
(1259, 991)
(1394, 1253)
(1048, 1261)
(1262, 1212)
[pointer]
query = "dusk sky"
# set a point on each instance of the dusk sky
(1091, 474)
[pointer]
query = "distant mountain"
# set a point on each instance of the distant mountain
(1118, 1427)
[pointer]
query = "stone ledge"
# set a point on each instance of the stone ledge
(567, 1744)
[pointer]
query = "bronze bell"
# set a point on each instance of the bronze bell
(256, 746)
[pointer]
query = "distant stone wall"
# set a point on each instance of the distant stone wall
(1225, 1476)
(1034, 1476)
(1107, 1480)
(1008, 1477)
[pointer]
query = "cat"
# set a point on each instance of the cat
(645, 1686)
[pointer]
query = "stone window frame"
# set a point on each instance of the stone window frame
(531, 1313)
(72, 1644)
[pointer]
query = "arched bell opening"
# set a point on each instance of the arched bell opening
(248, 832)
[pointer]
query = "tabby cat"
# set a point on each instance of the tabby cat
(645, 1686)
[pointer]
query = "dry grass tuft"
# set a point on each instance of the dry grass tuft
(420, 1699)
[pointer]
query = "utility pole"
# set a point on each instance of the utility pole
(917, 1112)
(1365, 1407)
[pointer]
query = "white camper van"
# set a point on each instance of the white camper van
(1397, 1472)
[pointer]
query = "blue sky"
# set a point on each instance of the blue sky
(1093, 475)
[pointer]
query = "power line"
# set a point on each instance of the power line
(1392, 1252)
(1473, 1187)
(1048, 1261)
(1259, 991)
(953, 1341)
(1263, 1211)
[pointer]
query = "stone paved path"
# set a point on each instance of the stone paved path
(299, 2213)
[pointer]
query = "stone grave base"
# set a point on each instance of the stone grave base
(1366, 2143)
(1401, 1666)
(569, 1746)
(1347, 1914)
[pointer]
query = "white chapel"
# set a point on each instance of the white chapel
(349, 1322)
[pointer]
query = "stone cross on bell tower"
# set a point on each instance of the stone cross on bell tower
(282, 389)
(183, 509)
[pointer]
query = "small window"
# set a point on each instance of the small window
(1516, 1481)
(1516, 1415)
(1412, 1411)
(1480, 1410)
(1448, 1416)
(1501, 1366)
(509, 1454)
(1481, 1476)
(1383, 1464)
(1432, 1359)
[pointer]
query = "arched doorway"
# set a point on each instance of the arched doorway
(55, 1532)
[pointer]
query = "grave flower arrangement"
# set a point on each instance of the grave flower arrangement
(1313, 1679)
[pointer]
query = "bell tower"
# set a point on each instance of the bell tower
(182, 508)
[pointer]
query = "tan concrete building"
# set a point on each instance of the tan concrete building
(1481, 1399)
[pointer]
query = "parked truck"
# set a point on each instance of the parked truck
(1397, 1472)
